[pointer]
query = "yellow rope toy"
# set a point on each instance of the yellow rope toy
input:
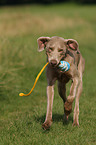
(22, 94)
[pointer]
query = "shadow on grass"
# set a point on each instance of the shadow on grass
(55, 118)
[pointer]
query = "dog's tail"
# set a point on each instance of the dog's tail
(22, 94)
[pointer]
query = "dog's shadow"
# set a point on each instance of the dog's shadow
(55, 118)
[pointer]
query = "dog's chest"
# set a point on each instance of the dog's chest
(63, 77)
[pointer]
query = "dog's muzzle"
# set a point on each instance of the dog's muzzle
(53, 62)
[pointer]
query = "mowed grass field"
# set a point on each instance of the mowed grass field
(21, 117)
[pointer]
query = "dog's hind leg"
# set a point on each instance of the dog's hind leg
(62, 93)
(76, 109)
(62, 90)
(81, 67)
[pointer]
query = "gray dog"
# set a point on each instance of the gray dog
(57, 49)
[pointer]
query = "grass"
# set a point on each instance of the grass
(21, 117)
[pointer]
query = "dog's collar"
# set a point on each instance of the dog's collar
(71, 54)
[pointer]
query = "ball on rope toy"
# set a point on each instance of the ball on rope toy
(64, 66)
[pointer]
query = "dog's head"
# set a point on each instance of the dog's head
(56, 48)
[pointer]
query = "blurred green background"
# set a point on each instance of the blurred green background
(21, 117)
(13, 2)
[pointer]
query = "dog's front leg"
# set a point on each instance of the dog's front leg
(50, 96)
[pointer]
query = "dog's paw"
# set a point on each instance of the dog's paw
(46, 125)
(75, 123)
(67, 108)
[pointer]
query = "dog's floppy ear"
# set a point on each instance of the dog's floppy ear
(72, 44)
(42, 41)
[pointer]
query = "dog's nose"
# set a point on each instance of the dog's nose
(53, 62)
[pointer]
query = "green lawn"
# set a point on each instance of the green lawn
(21, 117)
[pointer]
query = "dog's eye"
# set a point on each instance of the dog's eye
(60, 50)
(50, 49)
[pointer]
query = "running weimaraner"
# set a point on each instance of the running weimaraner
(57, 49)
